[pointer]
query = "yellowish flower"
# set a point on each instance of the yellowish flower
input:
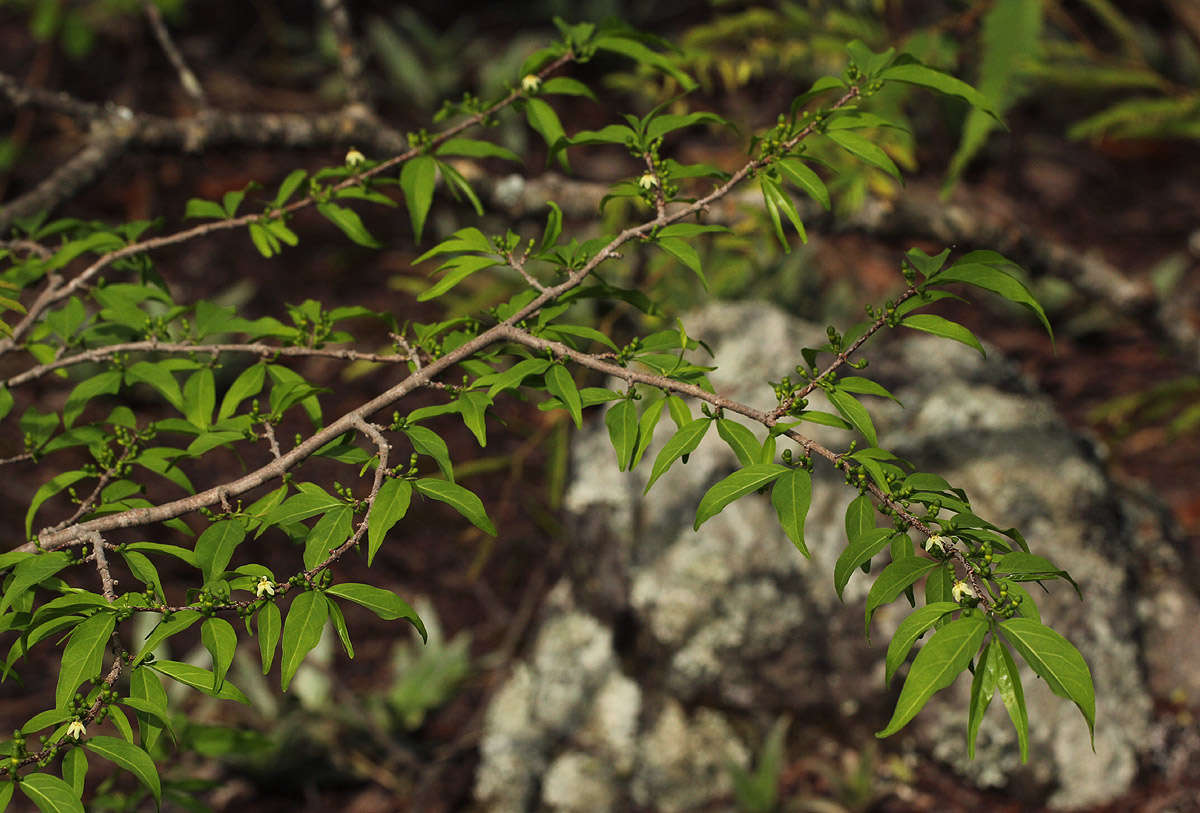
(76, 729)
(962, 590)
(648, 181)
(937, 541)
(531, 83)
(354, 158)
(265, 587)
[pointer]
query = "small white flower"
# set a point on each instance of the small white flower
(960, 590)
(937, 541)
(531, 83)
(648, 181)
(265, 587)
(76, 729)
(354, 157)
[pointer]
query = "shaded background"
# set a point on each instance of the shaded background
(1063, 182)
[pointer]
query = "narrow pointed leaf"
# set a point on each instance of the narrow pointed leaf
(220, 639)
(860, 551)
(802, 176)
(936, 666)
(894, 580)
(738, 484)
(622, 423)
(683, 442)
(83, 656)
(938, 326)
(1057, 662)
(417, 180)
(384, 603)
(790, 497)
(865, 149)
(199, 679)
(561, 385)
(909, 631)
(460, 499)
(270, 622)
(740, 439)
(131, 758)
(301, 632)
(1008, 683)
(49, 793)
(855, 413)
(390, 506)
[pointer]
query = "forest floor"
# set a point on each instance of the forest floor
(1137, 207)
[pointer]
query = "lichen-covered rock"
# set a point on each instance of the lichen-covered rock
(733, 625)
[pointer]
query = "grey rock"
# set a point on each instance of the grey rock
(732, 627)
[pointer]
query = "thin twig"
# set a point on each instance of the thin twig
(350, 61)
(107, 582)
(187, 79)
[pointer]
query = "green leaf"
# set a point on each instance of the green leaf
(861, 549)
(544, 121)
(914, 73)
(993, 279)
(791, 496)
(384, 603)
(644, 56)
(312, 501)
(289, 186)
(149, 700)
(931, 323)
(865, 149)
(427, 442)
(1008, 683)
(680, 413)
(350, 223)
(910, 630)
(561, 385)
(473, 408)
(622, 423)
(49, 793)
(458, 498)
(670, 122)
(683, 252)
(1026, 567)
(199, 679)
(390, 506)
(865, 386)
(740, 439)
(265, 242)
(1057, 662)
(461, 268)
(567, 86)
(248, 383)
(178, 622)
(779, 201)
(859, 517)
(982, 689)
(799, 173)
(553, 228)
(473, 148)
(738, 484)
(216, 545)
(31, 571)
(198, 207)
(106, 383)
(220, 639)
(159, 377)
(301, 632)
(74, 770)
(894, 580)
(683, 442)
(129, 757)
(83, 656)
(936, 666)
(269, 624)
(645, 431)
(199, 398)
(855, 413)
(330, 531)
(144, 571)
(232, 199)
